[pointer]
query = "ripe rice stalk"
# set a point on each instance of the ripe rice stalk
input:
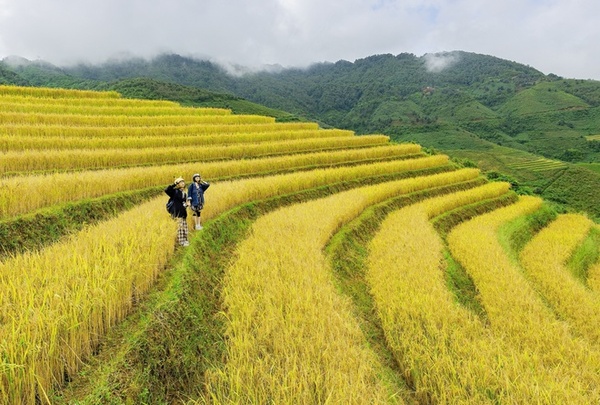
(233, 193)
(516, 312)
(117, 121)
(76, 289)
(58, 302)
(279, 294)
(444, 349)
(109, 158)
(85, 102)
(544, 260)
(139, 109)
(100, 132)
(20, 143)
(54, 93)
(64, 187)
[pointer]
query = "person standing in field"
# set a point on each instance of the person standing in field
(177, 207)
(196, 197)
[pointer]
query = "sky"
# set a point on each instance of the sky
(553, 36)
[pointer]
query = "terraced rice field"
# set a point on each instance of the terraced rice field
(332, 268)
(538, 165)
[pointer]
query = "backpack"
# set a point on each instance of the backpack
(169, 206)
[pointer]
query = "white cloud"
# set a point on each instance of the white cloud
(436, 62)
(558, 36)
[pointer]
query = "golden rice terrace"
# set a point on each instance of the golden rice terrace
(332, 268)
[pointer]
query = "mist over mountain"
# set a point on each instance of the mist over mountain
(333, 93)
(370, 94)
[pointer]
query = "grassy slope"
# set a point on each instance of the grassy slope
(578, 188)
(591, 166)
(549, 119)
(544, 120)
(572, 186)
(542, 97)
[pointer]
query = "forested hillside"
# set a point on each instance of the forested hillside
(7, 76)
(537, 131)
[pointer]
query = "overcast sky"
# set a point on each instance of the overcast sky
(553, 36)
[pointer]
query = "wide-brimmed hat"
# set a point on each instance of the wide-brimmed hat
(178, 180)
(196, 175)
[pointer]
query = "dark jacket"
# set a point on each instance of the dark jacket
(196, 193)
(178, 199)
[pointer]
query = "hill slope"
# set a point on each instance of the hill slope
(18, 71)
(454, 101)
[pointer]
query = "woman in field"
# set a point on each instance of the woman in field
(176, 206)
(196, 197)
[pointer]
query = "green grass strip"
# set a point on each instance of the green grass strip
(457, 279)
(515, 234)
(586, 255)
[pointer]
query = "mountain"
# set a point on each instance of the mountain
(151, 89)
(508, 118)
(22, 72)
(7, 76)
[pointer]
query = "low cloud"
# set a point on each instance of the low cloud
(295, 33)
(436, 62)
